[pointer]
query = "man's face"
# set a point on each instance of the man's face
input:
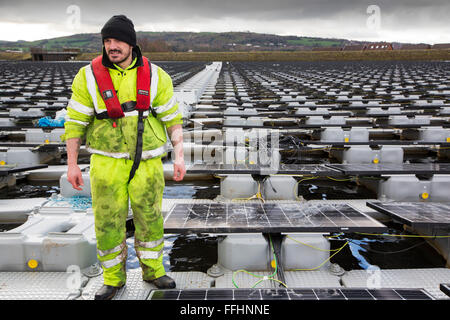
(117, 51)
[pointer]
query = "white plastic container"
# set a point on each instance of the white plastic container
(253, 252)
(68, 191)
(365, 154)
(238, 186)
(244, 251)
(434, 189)
(280, 188)
(296, 255)
(41, 136)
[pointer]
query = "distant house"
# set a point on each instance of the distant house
(40, 54)
(419, 46)
(379, 46)
(441, 46)
(66, 49)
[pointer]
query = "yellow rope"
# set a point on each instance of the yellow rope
(311, 246)
(320, 265)
(401, 235)
(258, 195)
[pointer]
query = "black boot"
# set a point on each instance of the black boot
(106, 292)
(164, 282)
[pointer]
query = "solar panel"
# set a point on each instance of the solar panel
(391, 168)
(445, 288)
(293, 124)
(243, 168)
(31, 144)
(291, 294)
(415, 213)
(267, 217)
(375, 142)
(5, 170)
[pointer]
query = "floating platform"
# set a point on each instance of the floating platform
(399, 284)
(412, 105)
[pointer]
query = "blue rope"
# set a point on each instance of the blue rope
(77, 202)
(49, 122)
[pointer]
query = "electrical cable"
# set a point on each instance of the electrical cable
(320, 265)
(389, 252)
(401, 235)
(311, 246)
(264, 278)
(258, 195)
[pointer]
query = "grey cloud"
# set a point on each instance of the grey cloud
(395, 14)
(142, 11)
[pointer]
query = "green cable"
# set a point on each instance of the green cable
(270, 277)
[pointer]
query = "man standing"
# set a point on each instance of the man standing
(122, 104)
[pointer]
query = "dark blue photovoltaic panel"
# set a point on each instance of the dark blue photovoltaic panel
(291, 294)
(445, 288)
(5, 170)
(268, 217)
(315, 169)
(391, 168)
(415, 214)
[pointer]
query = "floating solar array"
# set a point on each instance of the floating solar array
(32, 90)
(267, 217)
(291, 294)
(325, 169)
(391, 168)
(292, 169)
(376, 143)
(416, 214)
(305, 95)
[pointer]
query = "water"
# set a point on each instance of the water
(192, 190)
(386, 252)
(193, 252)
(24, 189)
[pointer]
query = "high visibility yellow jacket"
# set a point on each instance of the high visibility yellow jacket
(119, 141)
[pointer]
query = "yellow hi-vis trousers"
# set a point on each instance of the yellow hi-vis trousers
(111, 194)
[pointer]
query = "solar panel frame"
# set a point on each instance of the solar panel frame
(4, 170)
(292, 294)
(445, 288)
(375, 142)
(391, 168)
(267, 217)
(296, 125)
(415, 214)
(309, 169)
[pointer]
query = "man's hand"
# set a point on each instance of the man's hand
(73, 170)
(74, 176)
(176, 136)
(179, 170)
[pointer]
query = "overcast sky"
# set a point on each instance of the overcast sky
(411, 21)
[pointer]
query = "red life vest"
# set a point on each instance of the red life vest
(109, 96)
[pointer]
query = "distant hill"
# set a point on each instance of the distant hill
(185, 41)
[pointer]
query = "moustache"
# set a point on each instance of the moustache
(114, 51)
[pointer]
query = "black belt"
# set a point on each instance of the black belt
(138, 154)
(126, 107)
